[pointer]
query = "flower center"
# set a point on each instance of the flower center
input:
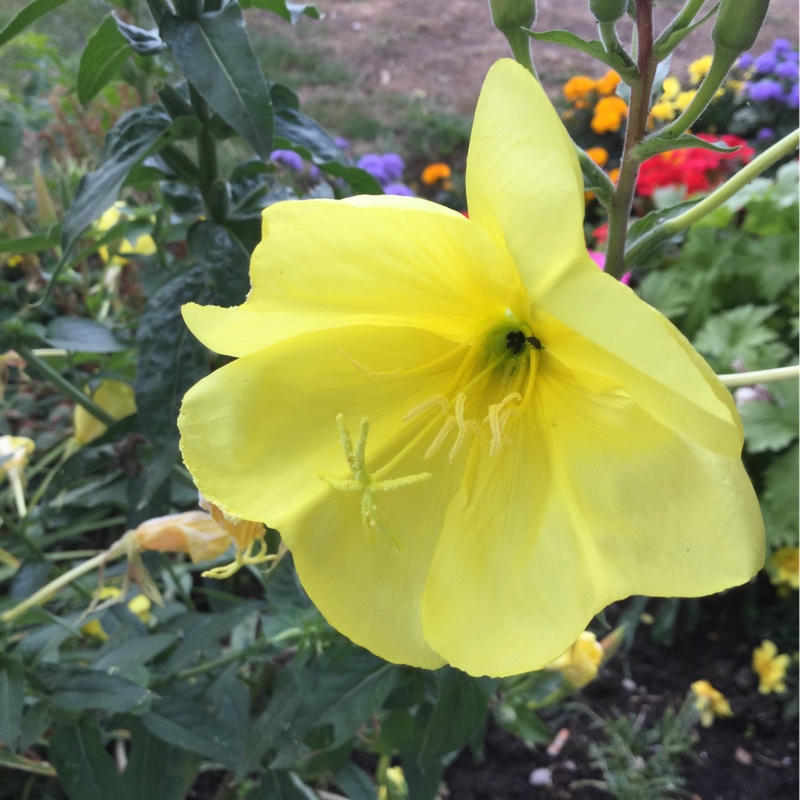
(489, 388)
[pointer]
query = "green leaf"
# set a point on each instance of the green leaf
(85, 769)
(28, 15)
(34, 766)
(780, 499)
(83, 689)
(227, 263)
(291, 12)
(665, 46)
(145, 43)
(772, 426)
(156, 769)
(131, 653)
(104, 54)
(170, 358)
(356, 783)
(12, 128)
(735, 334)
(81, 335)
(647, 234)
(658, 144)
(592, 48)
(278, 784)
(28, 244)
(214, 53)
(136, 135)
(12, 700)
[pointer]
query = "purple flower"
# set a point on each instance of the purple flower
(398, 188)
(393, 166)
(313, 172)
(745, 61)
(752, 394)
(288, 158)
(764, 91)
(786, 70)
(765, 63)
(779, 45)
(373, 164)
(342, 143)
(765, 135)
(792, 97)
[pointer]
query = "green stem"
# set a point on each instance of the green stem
(520, 44)
(44, 594)
(602, 186)
(761, 376)
(721, 63)
(683, 19)
(622, 201)
(69, 389)
(612, 44)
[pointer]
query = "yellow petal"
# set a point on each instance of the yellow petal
(383, 260)
(594, 501)
(258, 433)
(116, 398)
(524, 184)
(593, 323)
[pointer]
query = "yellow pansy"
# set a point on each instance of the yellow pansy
(116, 398)
(785, 562)
(579, 664)
(141, 245)
(699, 68)
(710, 703)
(770, 668)
(470, 438)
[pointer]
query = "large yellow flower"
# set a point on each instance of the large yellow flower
(470, 438)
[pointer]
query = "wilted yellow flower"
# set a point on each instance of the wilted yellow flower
(608, 83)
(192, 532)
(114, 397)
(770, 668)
(141, 245)
(434, 173)
(699, 68)
(785, 562)
(710, 702)
(608, 114)
(598, 154)
(139, 605)
(578, 87)
(579, 664)
(463, 419)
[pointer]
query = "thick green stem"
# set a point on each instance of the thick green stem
(520, 44)
(73, 392)
(620, 209)
(761, 376)
(611, 42)
(44, 594)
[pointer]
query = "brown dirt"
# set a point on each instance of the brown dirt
(443, 49)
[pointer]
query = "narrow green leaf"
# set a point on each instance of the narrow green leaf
(83, 689)
(214, 53)
(132, 652)
(12, 696)
(81, 335)
(156, 769)
(10, 761)
(665, 47)
(28, 15)
(592, 48)
(28, 244)
(104, 54)
(651, 147)
(356, 784)
(291, 12)
(278, 784)
(85, 769)
(145, 43)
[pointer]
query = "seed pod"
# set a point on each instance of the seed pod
(219, 200)
(183, 166)
(737, 25)
(174, 102)
(608, 10)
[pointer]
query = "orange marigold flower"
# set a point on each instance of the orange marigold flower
(614, 174)
(598, 154)
(434, 173)
(608, 114)
(578, 87)
(608, 83)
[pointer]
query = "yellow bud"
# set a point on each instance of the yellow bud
(115, 398)
(579, 664)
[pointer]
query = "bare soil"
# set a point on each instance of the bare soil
(442, 50)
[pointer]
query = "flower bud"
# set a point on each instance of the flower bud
(608, 10)
(174, 102)
(738, 23)
(219, 200)
(579, 664)
(511, 15)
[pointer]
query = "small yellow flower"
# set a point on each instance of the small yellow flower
(710, 702)
(663, 111)
(608, 83)
(683, 99)
(785, 562)
(670, 88)
(598, 154)
(139, 605)
(15, 261)
(141, 245)
(578, 87)
(770, 668)
(608, 114)
(112, 396)
(699, 68)
(434, 173)
(580, 663)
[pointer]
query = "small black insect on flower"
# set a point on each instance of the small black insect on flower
(515, 342)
